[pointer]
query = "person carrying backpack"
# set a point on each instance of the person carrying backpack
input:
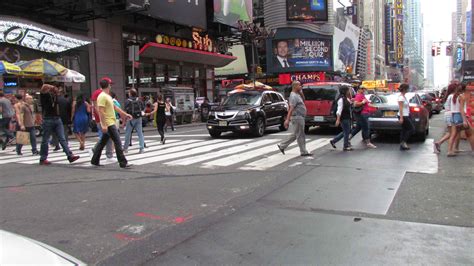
(136, 108)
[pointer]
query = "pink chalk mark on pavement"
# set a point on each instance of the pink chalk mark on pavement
(124, 237)
(15, 189)
(176, 220)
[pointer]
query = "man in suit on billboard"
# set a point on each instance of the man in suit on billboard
(282, 54)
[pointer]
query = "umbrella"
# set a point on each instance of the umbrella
(9, 68)
(41, 67)
(70, 76)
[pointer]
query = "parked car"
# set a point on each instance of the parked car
(248, 111)
(385, 118)
(434, 98)
(320, 101)
(427, 101)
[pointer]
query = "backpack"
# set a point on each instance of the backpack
(134, 108)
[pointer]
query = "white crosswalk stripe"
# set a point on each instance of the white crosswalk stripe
(243, 154)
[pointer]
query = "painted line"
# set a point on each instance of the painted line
(224, 152)
(194, 151)
(178, 136)
(279, 158)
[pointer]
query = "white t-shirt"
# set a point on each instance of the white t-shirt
(406, 105)
(455, 107)
(447, 106)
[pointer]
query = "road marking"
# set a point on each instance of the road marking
(224, 152)
(279, 158)
(198, 150)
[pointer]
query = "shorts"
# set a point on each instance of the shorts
(457, 119)
(448, 119)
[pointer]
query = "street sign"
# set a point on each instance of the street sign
(350, 11)
(133, 53)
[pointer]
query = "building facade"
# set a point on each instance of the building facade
(414, 43)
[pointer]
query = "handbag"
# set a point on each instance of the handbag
(23, 137)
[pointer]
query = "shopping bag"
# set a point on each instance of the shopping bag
(23, 137)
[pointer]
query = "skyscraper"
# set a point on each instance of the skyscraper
(414, 48)
(429, 81)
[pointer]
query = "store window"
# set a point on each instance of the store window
(173, 75)
(146, 75)
(187, 76)
(160, 74)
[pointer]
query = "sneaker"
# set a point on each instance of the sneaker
(91, 153)
(35, 153)
(141, 151)
(371, 146)
(348, 149)
(404, 147)
(111, 160)
(281, 149)
(45, 162)
(96, 164)
(307, 154)
(19, 153)
(163, 141)
(57, 149)
(436, 147)
(127, 166)
(4, 145)
(332, 144)
(73, 158)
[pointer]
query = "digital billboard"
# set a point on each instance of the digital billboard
(238, 66)
(300, 54)
(307, 10)
(346, 43)
(184, 12)
(229, 12)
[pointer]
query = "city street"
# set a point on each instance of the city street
(238, 200)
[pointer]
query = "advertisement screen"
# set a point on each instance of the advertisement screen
(184, 12)
(300, 54)
(229, 12)
(238, 66)
(307, 10)
(346, 43)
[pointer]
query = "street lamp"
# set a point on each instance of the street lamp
(253, 33)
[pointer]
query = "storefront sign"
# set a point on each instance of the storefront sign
(399, 32)
(204, 43)
(372, 84)
(285, 79)
(37, 37)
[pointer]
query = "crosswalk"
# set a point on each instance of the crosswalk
(243, 154)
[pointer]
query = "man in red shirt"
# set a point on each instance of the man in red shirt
(109, 152)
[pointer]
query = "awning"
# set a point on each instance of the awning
(174, 53)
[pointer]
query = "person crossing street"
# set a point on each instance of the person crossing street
(134, 107)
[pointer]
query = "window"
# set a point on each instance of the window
(275, 98)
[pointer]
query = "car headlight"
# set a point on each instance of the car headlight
(245, 114)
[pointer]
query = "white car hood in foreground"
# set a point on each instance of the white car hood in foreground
(16, 249)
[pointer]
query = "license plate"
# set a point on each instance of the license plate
(319, 118)
(222, 123)
(389, 114)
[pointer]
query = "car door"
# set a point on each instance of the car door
(268, 108)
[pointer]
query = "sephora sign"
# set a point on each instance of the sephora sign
(37, 36)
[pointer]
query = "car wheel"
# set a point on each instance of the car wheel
(259, 129)
(215, 134)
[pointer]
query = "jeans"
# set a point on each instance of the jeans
(346, 130)
(136, 124)
(408, 129)
(55, 140)
(34, 149)
(297, 133)
(362, 124)
(5, 127)
(113, 134)
(53, 125)
(109, 151)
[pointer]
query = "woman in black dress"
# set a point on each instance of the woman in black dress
(160, 116)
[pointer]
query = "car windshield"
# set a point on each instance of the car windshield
(242, 98)
(319, 93)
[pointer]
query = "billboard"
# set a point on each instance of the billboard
(346, 43)
(184, 12)
(307, 10)
(229, 12)
(300, 54)
(399, 33)
(469, 26)
(238, 66)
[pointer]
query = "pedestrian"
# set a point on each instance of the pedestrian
(117, 115)
(6, 114)
(361, 112)
(135, 107)
(52, 124)
(344, 118)
(404, 117)
(448, 119)
(459, 119)
(160, 117)
(109, 151)
(65, 111)
(26, 122)
(107, 109)
(169, 113)
(81, 110)
(296, 115)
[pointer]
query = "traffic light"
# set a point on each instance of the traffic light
(438, 50)
(433, 51)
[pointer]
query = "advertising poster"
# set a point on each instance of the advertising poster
(307, 10)
(346, 43)
(238, 66)
(300, 54)
(229, 12)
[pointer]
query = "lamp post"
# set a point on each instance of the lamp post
(253, 33)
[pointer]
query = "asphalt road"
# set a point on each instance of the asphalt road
(238, 200)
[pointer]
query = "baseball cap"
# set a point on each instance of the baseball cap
(109, 80)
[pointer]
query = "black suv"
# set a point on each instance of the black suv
(248, 111)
